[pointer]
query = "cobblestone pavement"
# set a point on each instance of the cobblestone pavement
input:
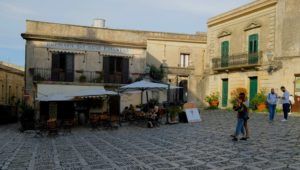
(183, 146)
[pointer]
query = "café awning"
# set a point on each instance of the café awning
(115, 53)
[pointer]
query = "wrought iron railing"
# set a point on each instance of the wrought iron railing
(237, 61)
(178, 70)
(58, 75)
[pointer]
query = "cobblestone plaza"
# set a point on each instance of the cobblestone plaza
(206, 145)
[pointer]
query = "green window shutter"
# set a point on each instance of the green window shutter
(224, 53)
(224, 92)
(253, 88)
(253, 49)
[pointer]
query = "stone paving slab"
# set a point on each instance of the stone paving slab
(204, 145)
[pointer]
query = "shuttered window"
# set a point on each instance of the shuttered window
(253, 49)
(184, 60)
(225, 53)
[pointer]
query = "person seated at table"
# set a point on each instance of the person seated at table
(125, 112)
(131, 108)
(153, 118)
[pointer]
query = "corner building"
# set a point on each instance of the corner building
(255, 46)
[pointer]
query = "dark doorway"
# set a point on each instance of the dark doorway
(183, 91)
(62, 67)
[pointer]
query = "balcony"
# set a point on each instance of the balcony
(181, 71)
(238, 61)
(57, 75)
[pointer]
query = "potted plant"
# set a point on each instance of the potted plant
(82, 78)
(213, 99)
(174, 111)
(259, 101)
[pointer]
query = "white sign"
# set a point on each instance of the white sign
(85, 47)
(192, 115)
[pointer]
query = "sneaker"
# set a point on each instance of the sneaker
(244, 138)
(235, 139)
(283, 120)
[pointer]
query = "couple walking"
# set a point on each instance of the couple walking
(242, 118)
(272, 100)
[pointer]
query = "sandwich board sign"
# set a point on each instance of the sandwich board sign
(192, 113)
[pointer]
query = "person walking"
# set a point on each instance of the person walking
(285, 103)
(272, 101)
(242, 114)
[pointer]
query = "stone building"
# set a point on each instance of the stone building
(62, 54)
(11, 91)
(255, 46)
(11, 83)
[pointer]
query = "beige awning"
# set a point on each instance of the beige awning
(115, 53)
(67, 51)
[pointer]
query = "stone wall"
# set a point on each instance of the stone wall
(11, 85)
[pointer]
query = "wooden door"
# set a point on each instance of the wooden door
(224, 92)
(253, 88)
(296, 106)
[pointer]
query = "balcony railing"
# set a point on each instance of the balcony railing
(186, 71)
(57, 75)
(237, 61)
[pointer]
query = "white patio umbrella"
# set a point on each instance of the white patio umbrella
(144, 86)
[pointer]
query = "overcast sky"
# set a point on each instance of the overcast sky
(183, 16)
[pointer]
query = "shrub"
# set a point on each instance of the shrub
(212, 97)
(174, 110)
(82, 78)
(156, 73)
(235, 94)
(259, 98)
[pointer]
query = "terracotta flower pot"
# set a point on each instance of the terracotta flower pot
(261, 107)
(173, 118)
(214, 103)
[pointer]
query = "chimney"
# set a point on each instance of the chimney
(99, 23)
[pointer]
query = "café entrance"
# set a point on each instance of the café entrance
(296, 106)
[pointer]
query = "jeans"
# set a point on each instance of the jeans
(272, 110)
(286, 109)
(239, 127)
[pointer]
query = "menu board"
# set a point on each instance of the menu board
(193, 115)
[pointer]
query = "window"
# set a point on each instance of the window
(17, 92)
(297, 84)
(115, 65)
(116, 69)
(62, 67)
(224, 53)
(184, 60)
(253, 43)
(2, 92)
(253, 49)
(9, 94)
